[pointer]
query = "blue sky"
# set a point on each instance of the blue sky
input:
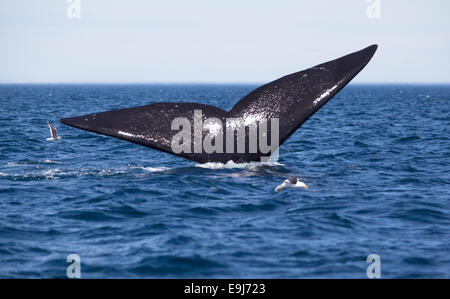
(218, 41)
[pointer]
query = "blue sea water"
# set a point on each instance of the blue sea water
(376, 159)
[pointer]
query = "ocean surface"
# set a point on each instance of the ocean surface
(375, 158)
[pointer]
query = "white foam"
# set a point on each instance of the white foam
(56, 173)
(52, 172)
(149, 169)
(32, 162)
(107, 172)
(154, 169)
(233, 165)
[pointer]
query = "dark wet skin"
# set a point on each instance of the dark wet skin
(291, 99)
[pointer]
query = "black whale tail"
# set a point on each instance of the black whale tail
(291, 99)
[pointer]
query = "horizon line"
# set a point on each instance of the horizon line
(200, 83)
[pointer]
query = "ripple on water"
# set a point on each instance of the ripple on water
(374, 159)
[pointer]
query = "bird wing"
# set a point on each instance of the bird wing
(53, 132)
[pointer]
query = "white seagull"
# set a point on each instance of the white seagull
(53, 132)
(292, 182)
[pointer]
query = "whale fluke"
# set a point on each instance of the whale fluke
(291, 100)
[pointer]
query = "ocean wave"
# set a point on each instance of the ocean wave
(376, 160)
(28, 162)
(56, 173)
